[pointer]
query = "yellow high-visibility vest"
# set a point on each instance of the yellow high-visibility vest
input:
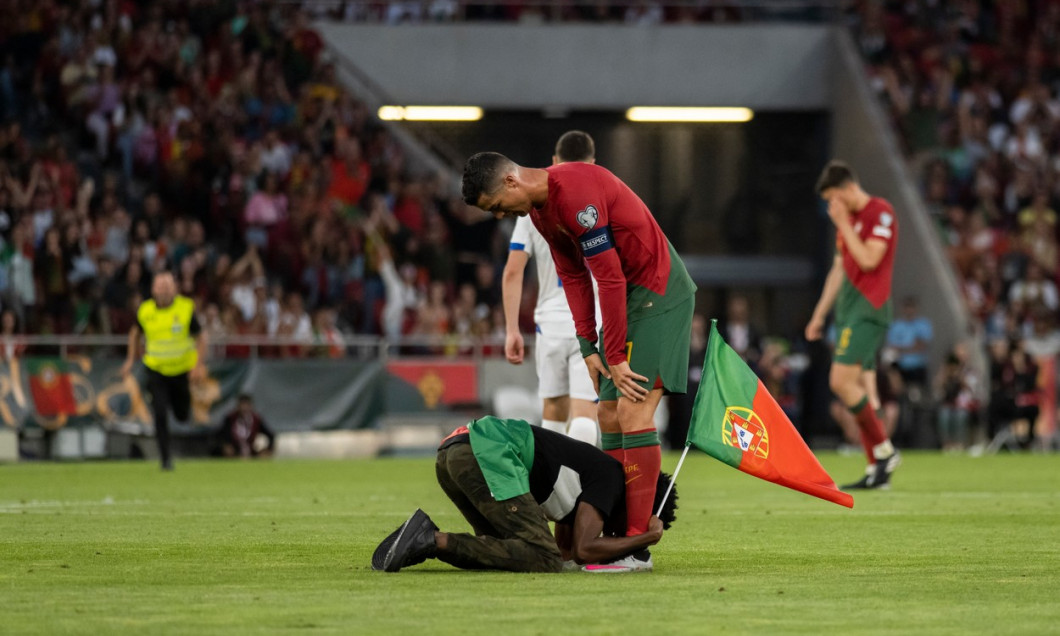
(170, 346)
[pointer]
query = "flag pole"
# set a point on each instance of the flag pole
(673, 479)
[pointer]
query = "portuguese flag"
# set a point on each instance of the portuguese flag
(736, 420)
(50, 385)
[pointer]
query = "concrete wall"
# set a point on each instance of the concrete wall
(779, 67)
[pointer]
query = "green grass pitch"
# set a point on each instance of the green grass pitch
(960, 546)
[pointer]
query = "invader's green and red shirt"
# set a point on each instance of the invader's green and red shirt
(866, 294)
(595, 224)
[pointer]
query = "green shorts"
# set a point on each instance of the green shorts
(657, 348)
(858, 342)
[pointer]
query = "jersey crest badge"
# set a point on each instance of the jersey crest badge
(587, 218)
(886, 219)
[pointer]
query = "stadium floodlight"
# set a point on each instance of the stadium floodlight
(737, 114)
(430, 113)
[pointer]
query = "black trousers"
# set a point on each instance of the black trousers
(167, 392)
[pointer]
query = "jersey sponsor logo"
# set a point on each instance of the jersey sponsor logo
(596, 241)
(588, 217)
(743, 429)
(883, 232)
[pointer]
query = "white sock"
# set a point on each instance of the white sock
(883, 450)
(555, 426)
(584, 429)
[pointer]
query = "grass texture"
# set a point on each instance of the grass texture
(960, 545)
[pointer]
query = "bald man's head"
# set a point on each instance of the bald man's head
(164, 289)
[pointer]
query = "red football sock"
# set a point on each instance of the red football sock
(872, 432)
(642, 463)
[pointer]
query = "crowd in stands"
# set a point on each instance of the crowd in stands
(213, 139)
(973, 88)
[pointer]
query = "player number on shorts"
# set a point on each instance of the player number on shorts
(844, 339)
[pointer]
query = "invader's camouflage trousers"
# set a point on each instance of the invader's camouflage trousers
(509, 535)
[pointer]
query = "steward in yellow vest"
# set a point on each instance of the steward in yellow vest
(174, 352)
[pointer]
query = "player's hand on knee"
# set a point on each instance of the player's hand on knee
(626, 381)
(596, 368)
(513, 347)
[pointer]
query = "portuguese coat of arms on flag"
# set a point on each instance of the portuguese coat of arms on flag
(736, 420)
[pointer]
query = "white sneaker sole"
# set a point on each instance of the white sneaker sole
(610, 568)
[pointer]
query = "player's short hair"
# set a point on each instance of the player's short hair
(835, 175)
(575, 145)
(482, 174)
(669, 511)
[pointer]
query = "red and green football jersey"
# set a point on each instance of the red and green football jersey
(594, 223)
(867, 293)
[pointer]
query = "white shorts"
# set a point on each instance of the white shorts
(561, 370)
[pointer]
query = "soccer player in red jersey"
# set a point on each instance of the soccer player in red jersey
(595, 224)
(859, 287)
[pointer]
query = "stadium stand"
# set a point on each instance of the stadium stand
(215, 140)
(972, 89)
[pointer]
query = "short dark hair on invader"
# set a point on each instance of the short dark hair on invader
(669, 511)
(835, 175)
(575, 145)
(482, 174)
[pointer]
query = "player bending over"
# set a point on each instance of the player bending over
(596, 227)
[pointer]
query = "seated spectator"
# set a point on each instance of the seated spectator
(326, 335)
(909, 337)
(1014, 392)
(245, 432)
(1034, 290)
(265, 209)
(739, 333)
(955, 389)
(293, 323)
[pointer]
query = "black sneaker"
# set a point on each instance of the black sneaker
(881, 478)
(862, 484)
(379, 556)
(878, 475)
(414, 543)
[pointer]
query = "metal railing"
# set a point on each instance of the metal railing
(357, 346)
(567, 10)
